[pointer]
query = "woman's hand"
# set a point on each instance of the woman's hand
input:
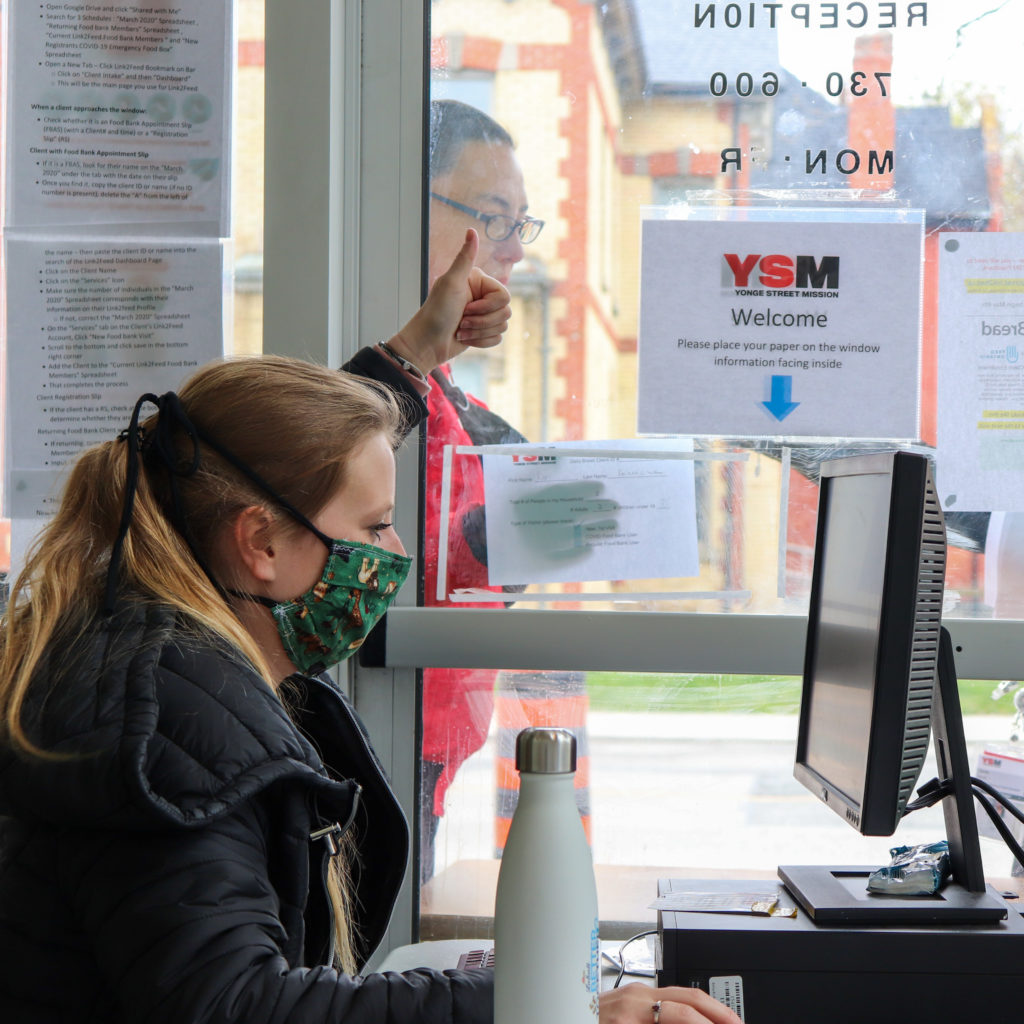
(464, 309)
(635, 1004)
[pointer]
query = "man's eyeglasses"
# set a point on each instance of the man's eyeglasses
(498, 226)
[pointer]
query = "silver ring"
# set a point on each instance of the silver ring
(656, 1010)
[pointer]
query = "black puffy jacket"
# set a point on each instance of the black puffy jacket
(165, 872)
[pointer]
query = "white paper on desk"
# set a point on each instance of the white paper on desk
(634, 956)
(713, 901)
(558, 518)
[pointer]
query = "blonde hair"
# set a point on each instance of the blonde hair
(292, 423)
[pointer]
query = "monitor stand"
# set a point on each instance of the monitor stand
(839, 895)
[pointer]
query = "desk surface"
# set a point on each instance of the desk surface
(458, 902)
(445, 954)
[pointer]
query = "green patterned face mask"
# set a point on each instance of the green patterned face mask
(331, 620)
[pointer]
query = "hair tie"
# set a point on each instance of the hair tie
(158, 446)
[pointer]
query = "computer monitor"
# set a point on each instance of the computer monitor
(878, 679)
(872, 637)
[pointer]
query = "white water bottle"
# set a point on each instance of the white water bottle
(546, 952)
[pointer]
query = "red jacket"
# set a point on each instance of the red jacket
(457, 702)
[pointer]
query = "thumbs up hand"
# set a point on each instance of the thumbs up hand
(465, 308)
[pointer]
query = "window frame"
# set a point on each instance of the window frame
(343, 260)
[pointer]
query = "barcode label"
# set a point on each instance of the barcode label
(728, 990)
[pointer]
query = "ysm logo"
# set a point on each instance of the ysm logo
(532, 459)
(777, 271)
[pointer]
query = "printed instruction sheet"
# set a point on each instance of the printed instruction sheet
(91, 326)
(120, 113)
(556, 514)
(980, 412)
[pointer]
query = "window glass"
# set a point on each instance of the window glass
(712, 118)
(247, 183)
(679, 776)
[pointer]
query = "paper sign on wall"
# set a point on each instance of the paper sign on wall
(95, 325)
(781, 327)
(980, 413)
(119, 113)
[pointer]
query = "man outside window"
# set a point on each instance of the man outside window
(475, 181)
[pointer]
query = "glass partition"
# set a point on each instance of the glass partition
(772, 235)
(679, 776)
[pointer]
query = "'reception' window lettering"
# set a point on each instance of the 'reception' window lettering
(881, 15)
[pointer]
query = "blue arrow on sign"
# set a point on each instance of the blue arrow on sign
(779, 405)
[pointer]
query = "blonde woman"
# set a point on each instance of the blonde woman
(193, 827)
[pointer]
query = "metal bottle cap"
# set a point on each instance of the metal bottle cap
(546, 751)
